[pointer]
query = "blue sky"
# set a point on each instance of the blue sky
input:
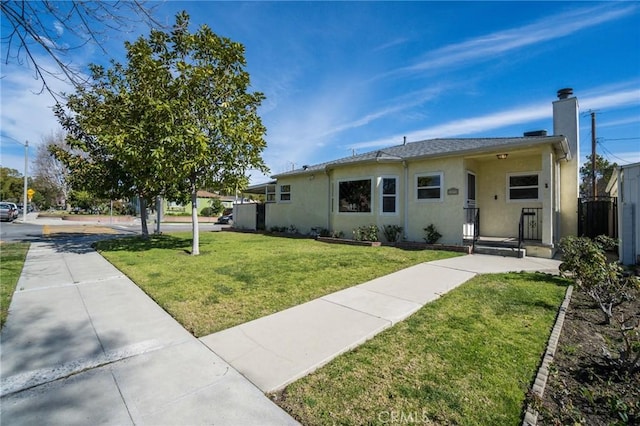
(342, 77)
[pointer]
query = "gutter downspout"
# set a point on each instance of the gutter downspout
(329, 207)
(406, 200)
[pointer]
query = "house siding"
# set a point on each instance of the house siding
(346, 222)
(499, 217)
(447, 214)
(308, 206)
(315, 197)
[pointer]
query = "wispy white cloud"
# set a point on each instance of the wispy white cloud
(499, 43)
(59, 27)
(611, 96)
(26, 113)
(518, 115)
(619, 123)
(391, 43)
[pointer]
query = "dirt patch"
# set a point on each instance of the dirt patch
(586, 384)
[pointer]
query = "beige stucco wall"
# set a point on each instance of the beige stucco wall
(244, 216)
(566, 122)
(499, 217)
(314, 200)
(308, 207)
(447, 215)
(346, 222)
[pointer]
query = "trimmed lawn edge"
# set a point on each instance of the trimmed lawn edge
(537, 389)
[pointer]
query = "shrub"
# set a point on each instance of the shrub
(216, 206)
(392, 232)
(366, 233)
(207, 212)
(324, 232)
(293, 229)
(586, 262)
(277, 229)
(431, 234)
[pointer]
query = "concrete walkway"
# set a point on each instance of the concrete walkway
(83, 345)
(278, 349)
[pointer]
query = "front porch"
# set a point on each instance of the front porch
(528, 241)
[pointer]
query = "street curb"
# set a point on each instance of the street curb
(531, 415)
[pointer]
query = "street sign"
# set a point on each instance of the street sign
(30, 193)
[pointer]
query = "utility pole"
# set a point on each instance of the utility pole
(594, 188)
(24, 194)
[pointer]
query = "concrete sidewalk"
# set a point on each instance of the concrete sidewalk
(278, 349)
(84, 345)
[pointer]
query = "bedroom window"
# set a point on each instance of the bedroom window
(354, 196)
(389, 195)
(285, 192)
(429, 187)
(523, 187)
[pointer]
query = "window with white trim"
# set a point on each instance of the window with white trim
(354, 196)
(285, 192)
(270, 194)
(389, 195)
(523, 186)
(429, 187)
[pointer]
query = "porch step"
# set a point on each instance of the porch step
(500, 250)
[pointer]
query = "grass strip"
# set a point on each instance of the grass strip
(12, 256)
(240, 277)
(467, 358)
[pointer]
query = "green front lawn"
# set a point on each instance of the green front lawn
(241, 277)
(468, 358)
(12, 257)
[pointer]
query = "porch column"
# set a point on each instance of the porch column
(547, 187)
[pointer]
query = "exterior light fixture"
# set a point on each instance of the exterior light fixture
(502, 156)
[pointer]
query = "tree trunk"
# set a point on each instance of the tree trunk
(143, 217)
(158, 214)
(195, 250)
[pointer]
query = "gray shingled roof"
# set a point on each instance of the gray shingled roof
(431, 148)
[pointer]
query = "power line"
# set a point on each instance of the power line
(610, 154)
(620, 139)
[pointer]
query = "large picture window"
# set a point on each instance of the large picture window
(389, 195)
(429, 186)
(523, 187)
(354, 196)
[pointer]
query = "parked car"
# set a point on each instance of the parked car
(14, 206)
(225, 220)
(7, 212)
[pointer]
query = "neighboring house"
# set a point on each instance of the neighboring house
(204, 200)
(625, 185)
(460, 185)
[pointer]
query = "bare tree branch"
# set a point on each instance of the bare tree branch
(33, 29)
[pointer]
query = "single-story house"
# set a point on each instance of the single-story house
(465, 187)
(625, 185)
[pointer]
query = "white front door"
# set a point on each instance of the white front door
(469, 227)
(471, 190)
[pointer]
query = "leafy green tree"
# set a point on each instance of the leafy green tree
(216, 206)
(604, 170)
(82, 199)
(178, 117)
(11, 185)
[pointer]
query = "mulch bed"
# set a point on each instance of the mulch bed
(586, 384)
